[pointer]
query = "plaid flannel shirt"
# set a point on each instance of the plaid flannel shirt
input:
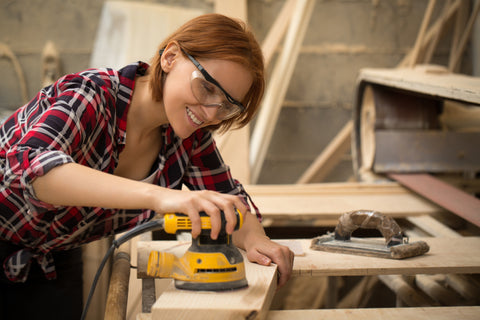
(82, 118)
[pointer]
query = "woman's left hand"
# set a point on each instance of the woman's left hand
(264, 251)
(260, 249)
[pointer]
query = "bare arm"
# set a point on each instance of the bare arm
(76, 185)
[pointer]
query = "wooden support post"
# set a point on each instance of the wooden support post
(278, 86)
(404, 291)
(433, 43)
(116, 307)
(358, 295)
(421, 34)
(457, 54)
(277, 31)
(432, 32)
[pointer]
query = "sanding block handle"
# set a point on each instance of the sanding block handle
(368, 219)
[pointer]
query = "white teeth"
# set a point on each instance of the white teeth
(194, 119)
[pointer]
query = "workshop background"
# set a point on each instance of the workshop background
(342, 37)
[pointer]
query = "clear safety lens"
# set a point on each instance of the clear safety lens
(210, 95)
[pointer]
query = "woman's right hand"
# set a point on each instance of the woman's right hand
(192, 203)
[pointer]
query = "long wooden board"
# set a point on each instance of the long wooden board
(437, 313)
(249, 303)
(330, 200)
(446, 255)
(426, 80)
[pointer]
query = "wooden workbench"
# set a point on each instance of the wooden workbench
(446, 255)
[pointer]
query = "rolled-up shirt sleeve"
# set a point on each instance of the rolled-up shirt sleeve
(56, 124)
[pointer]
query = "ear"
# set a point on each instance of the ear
(170, 55)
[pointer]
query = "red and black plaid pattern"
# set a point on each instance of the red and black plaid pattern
(82, 118)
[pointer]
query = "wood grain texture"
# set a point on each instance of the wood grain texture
(437, 313)
(249, 303)
(330, 200)
(430, 80)
(446, 255)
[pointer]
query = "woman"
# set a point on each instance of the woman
(102, 151)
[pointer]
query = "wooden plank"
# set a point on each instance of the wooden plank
(426, 80)
(330, 200)
(426, 151)
(421, 34)
(437, 313)
(252, 302)
(446, 255)
(277, 87)
(453, 199)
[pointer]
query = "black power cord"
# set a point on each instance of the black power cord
(151, 225)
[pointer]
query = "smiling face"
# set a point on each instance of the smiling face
(184, 112)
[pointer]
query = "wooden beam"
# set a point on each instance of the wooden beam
(277, 87)
(277, 31)
(453, 199)
(457, 54)
(330, 200)
(437, 313)
(251, 302)
(329, 157)
(421, 34)
(426, 81)
(433, 31)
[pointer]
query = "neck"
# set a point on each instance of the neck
(145, 115)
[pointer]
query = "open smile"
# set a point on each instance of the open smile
(192, 117)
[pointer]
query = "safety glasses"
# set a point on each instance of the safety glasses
(210, 93)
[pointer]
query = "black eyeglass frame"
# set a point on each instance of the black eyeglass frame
(210, 79)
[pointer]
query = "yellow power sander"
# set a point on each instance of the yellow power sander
(208, 265)
(211, 265)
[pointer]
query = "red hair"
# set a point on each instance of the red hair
(215, 36)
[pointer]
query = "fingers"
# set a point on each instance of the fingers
(213, 203)
(282, 256)
(285, 268)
